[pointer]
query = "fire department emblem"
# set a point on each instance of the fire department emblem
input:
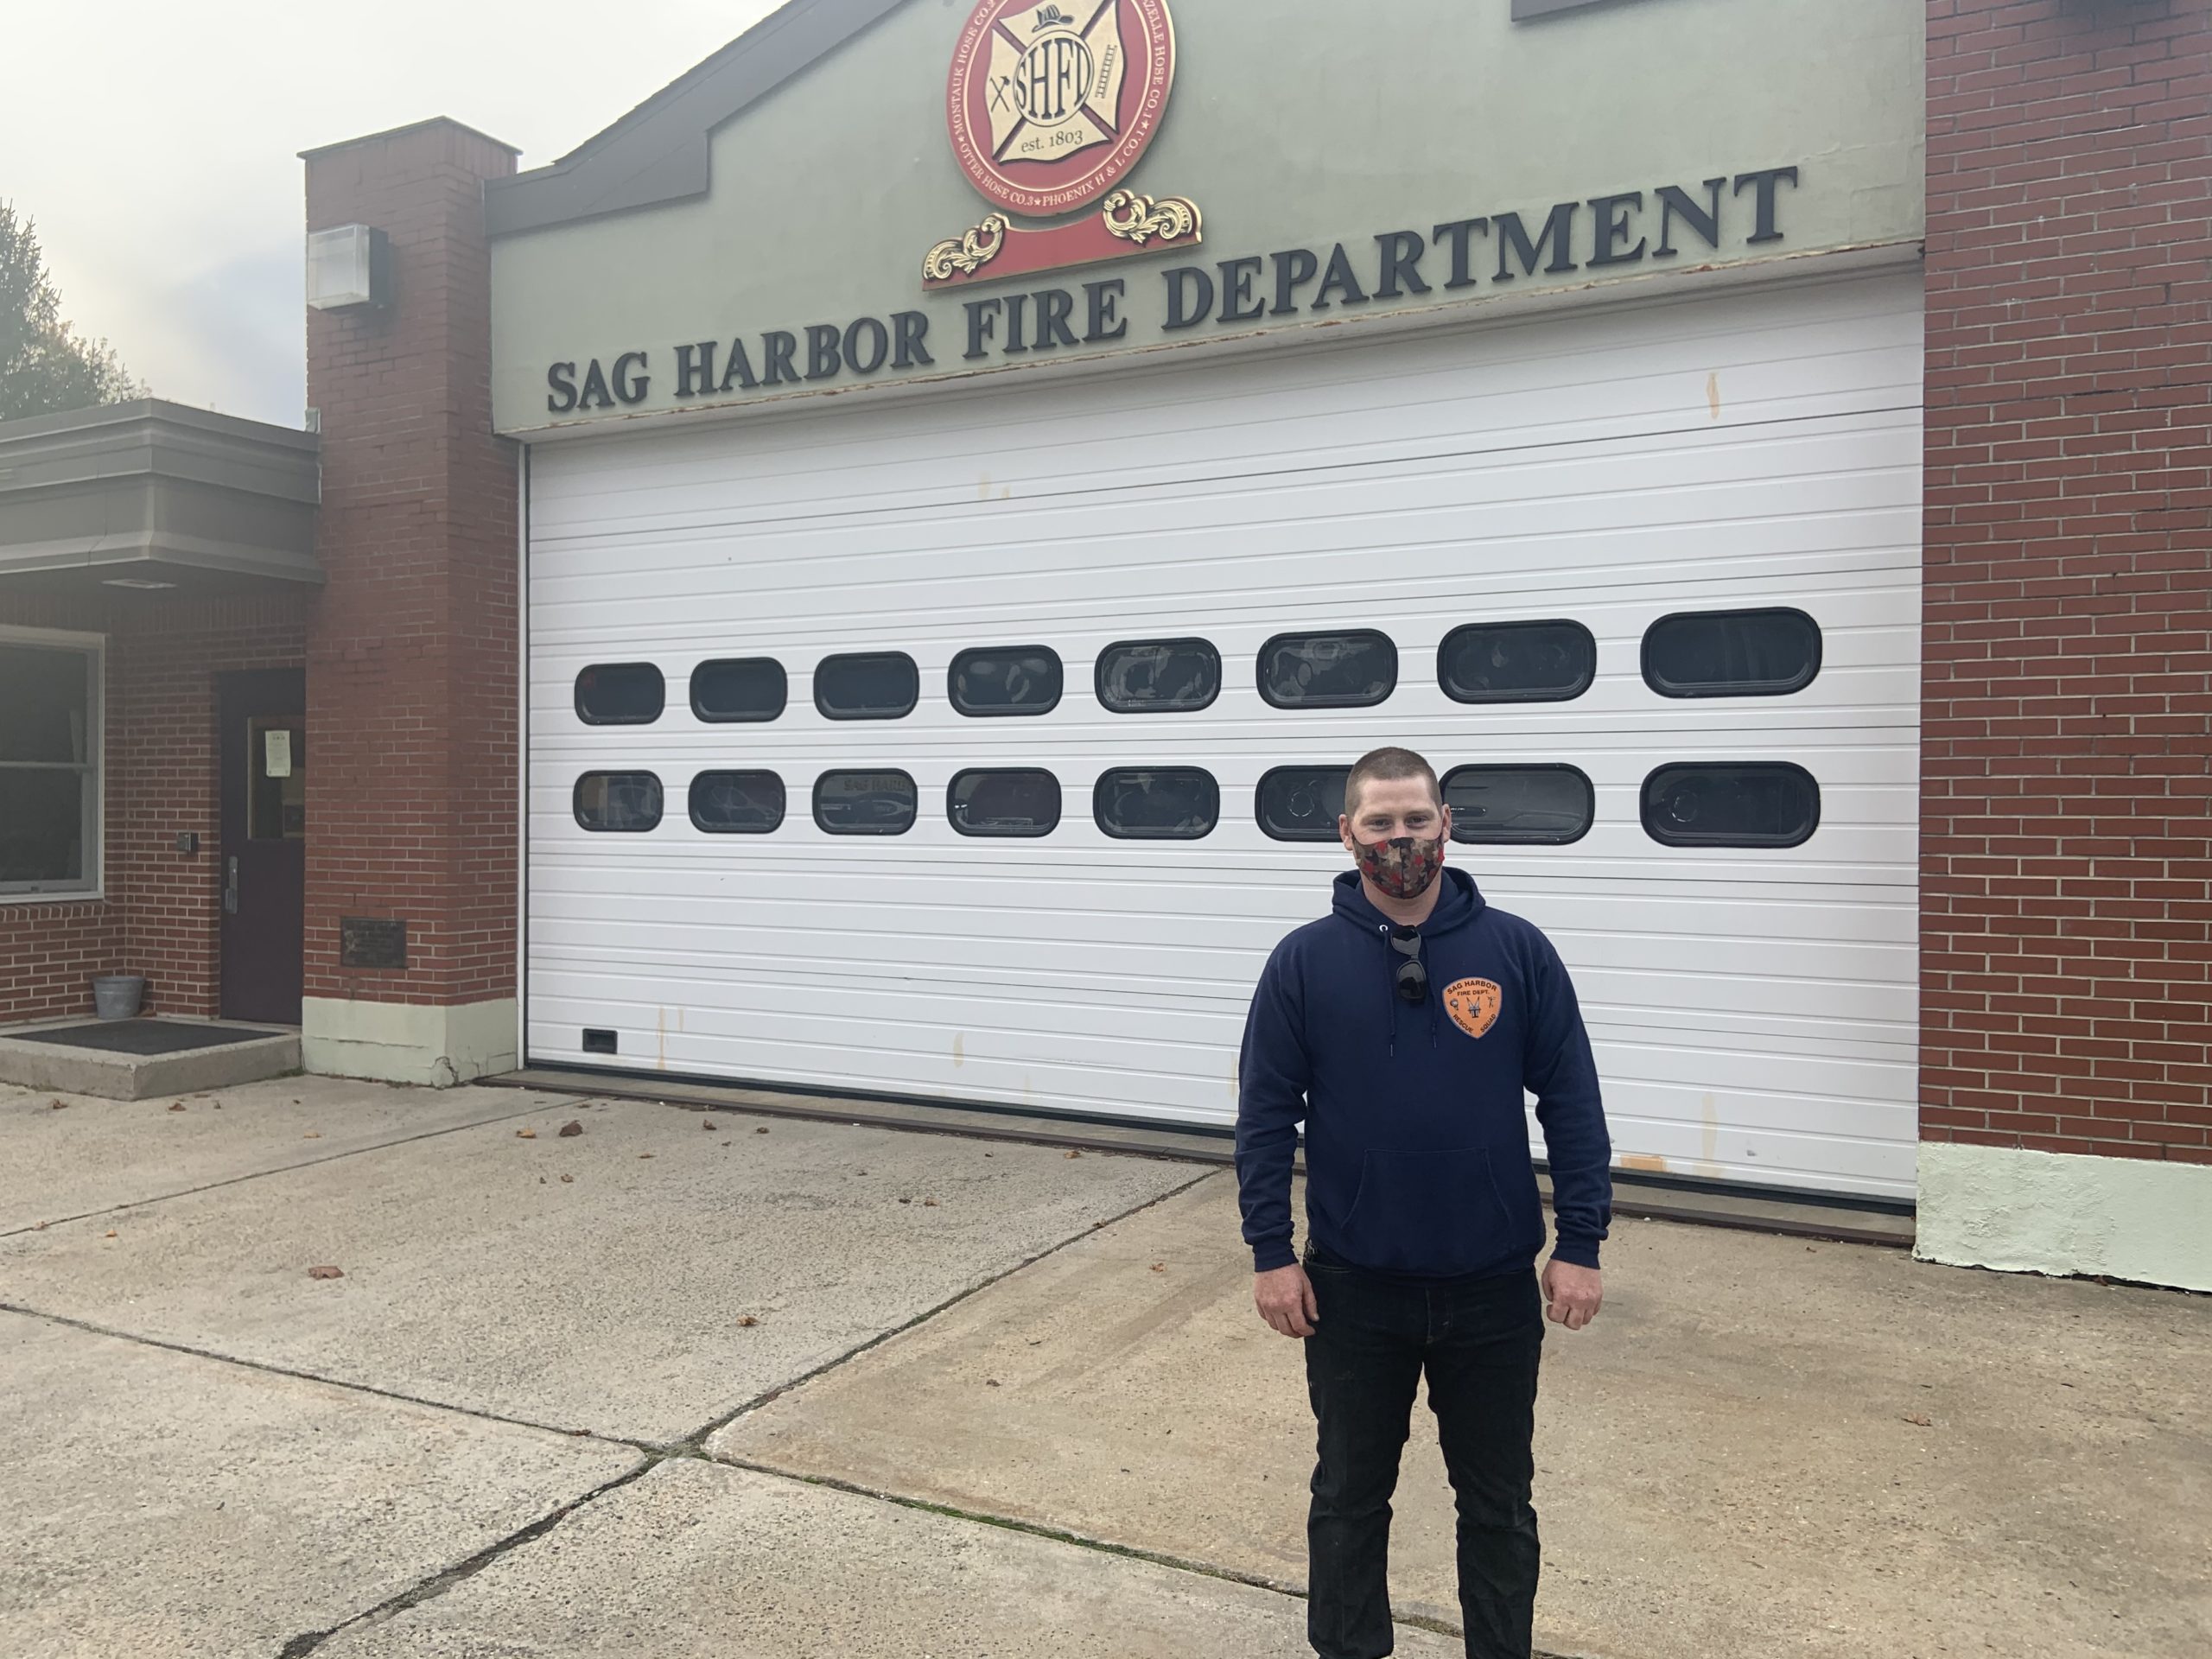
(1473, 1005)
(1050, 106)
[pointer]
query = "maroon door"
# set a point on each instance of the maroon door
(265, 826)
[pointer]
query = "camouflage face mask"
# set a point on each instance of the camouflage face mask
(1405, 866)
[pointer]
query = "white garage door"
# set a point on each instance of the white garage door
(1749, 460)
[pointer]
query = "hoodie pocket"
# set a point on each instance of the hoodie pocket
(1430, 1213)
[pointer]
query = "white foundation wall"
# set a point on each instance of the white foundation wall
(2050, 1212)
(407, 1042)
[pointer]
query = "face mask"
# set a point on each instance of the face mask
(1404, 867)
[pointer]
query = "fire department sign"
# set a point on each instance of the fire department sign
(1051, 107)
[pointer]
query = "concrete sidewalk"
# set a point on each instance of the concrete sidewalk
(654, 1388)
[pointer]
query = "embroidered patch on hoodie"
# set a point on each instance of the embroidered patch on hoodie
(1472, 1004)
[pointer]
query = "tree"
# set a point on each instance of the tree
(45, 367)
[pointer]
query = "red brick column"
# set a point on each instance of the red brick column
(2066, 880)
(411, 649)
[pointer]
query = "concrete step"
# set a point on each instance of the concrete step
(136, 1059)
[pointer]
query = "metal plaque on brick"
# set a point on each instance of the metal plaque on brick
(371, 942)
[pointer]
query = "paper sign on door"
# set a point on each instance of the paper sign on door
(277, 755)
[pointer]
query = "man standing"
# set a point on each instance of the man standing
(1403, 1030)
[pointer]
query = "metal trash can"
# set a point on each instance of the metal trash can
(118, 996)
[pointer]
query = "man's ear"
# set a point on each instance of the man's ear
(1344, 834)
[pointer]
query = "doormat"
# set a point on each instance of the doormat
(140, 1036)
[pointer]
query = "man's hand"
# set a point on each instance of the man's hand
(1285, 1298)
(1571, 1294)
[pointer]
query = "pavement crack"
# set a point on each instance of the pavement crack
(1080, 1540)
(269, 1368)
(438, 1583)
(286, 1169)
(694, 1443)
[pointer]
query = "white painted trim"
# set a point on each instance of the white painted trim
(96, 735)
(522, 753)
(2021, 1211)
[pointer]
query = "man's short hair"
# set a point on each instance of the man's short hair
(1387, 765)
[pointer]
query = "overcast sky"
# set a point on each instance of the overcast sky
(157, 145)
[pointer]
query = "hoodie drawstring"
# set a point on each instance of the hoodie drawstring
(1389, 990)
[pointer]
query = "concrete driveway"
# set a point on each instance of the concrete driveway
(787, 1388)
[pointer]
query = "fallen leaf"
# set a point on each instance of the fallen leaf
(325, 1272)
(572, 1129)
(709, 1123)
(57, 1105)
(525, 1135)
(312, 1134)
(644, 1154)
(763, 1129)
(109, 1233)
(905, 1200)
(1924, 1422)
(990, 1154)
(747, 1320)
(929, 1203)
(1159, 1266)
(541, 1180)
(178, 1107)
(1072, 1153)
(565, 1179)
(990, 1382)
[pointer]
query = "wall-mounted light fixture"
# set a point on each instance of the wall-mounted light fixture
(347, 266)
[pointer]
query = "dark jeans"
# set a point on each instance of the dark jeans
(1479, 1342)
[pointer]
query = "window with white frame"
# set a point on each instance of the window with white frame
(49, 763)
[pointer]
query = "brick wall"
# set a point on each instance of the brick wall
(164, 668)
(412, 649)
(2067, 883)
(162, 910)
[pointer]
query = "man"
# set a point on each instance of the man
(1403, 1030)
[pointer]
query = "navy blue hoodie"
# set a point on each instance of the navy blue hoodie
(1416, 1142)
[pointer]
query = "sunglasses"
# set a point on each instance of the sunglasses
(1411, 979)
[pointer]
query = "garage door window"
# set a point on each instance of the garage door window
(737, 803)
(1016, 803)
(1731, 804)
(49, 768)
(1732, 653)
(617, 803)
(1533, 806)
(1517, 662)
(865, 802)
(1005, 680)
(881, 685)
(1302, 802)
(1328, 670)
(1158, 677)
(620, 694)
(1163, 804)
(740, 689)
